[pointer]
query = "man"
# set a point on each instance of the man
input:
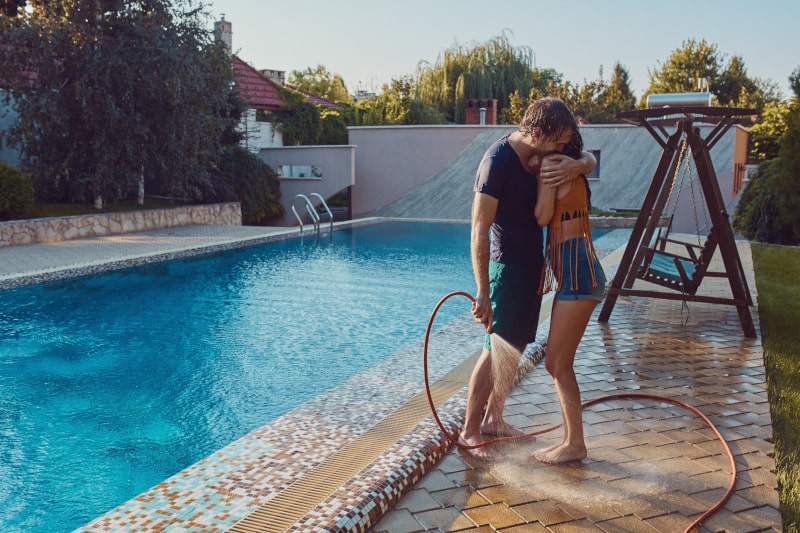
(508, 265)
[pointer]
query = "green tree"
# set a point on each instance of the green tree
(298, 120)
(513, 112)
(618, 95)
(684, 67)
(494, 69)
(396, 105)
(728, 82)
(734, 88)
(595, 101)
(90, 125)
(253, 183)
(769, 210)
(586, 100)
(319, 81)
(333, 127)
(16, 193)
(788, 168)
(766, 134)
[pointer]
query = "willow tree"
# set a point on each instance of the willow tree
(111, 93)
(494, 69)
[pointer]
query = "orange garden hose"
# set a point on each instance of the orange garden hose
(454, 439)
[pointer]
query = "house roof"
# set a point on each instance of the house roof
(316, 99)
(262, 93)
(256, 89)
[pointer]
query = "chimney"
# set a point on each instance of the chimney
(275, 76)
(481, 111)
(223, 30)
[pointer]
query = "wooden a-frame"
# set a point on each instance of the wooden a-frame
(682, 118)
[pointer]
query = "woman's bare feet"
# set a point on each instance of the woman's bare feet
(561, 453)
(478, 452)
(503, 429)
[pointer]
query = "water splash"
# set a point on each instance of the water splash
(505, 362)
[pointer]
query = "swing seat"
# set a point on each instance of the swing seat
(682, 273)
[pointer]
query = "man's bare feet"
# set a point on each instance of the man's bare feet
(503, 429)
(561, 453)
(478, 452)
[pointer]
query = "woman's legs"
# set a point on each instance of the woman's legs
(567, 324)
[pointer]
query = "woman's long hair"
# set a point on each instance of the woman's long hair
(574, 149)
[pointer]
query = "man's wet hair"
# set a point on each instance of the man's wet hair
(549, 114)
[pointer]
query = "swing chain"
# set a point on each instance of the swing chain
(670, 197)
(688, 171)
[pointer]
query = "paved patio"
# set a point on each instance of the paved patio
(652, 465)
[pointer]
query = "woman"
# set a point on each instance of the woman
(574, 272)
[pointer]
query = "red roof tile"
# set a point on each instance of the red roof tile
(316, 99)
(258, 91)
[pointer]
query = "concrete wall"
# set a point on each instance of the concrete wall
(258, 135)
(393, 160)
(333, 171)
(629, 156)
(55, 229)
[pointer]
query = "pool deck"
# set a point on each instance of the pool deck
(368, 457)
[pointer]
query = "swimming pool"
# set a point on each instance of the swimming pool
(112, 383)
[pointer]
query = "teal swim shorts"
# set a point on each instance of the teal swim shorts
(513, 291)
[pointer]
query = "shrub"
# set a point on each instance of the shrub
(16, 193)
(334, 130)
(254, 184)
(757, 216)
(769, 209)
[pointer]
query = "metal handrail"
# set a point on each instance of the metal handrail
(325, 205)
(312, 212)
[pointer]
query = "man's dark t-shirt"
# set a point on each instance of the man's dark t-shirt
(516, 237)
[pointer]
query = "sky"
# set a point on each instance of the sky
(369, 43)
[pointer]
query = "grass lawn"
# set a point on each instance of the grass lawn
(777, 271)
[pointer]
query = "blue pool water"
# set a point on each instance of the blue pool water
(111, 384)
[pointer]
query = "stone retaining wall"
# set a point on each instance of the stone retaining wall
(55, 229)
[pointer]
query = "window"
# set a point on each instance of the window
(595, 174)
(299, 171)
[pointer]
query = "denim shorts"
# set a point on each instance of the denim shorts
(577, 282)
(513, 292)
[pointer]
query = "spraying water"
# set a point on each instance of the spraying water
(505, 362)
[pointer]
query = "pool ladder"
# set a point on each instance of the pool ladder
(312, 211)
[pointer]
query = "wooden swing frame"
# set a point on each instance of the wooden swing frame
(646, 256)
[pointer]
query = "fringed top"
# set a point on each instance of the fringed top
(567, 231)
